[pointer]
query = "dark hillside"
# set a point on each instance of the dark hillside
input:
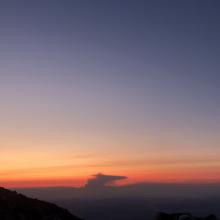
(14, 206)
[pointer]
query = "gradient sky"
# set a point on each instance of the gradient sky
(119, 87)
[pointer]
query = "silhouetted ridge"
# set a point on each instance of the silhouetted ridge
(14, 206)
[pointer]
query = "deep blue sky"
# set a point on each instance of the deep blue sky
(108, 77)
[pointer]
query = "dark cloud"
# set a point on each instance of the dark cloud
(102, 180)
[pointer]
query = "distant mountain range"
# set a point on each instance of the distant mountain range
(14, 206)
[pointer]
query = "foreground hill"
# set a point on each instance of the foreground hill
(14, 206)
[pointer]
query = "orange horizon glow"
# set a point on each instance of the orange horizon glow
(58, 170)
(27, 162)
(177, 177)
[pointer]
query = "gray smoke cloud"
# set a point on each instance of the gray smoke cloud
(102, 180)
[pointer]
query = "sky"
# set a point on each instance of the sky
(128, 88)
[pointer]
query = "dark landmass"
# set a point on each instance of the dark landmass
(14, 206)
(133, 202)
